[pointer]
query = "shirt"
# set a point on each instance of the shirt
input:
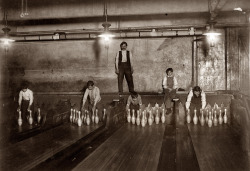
(189, 98)
(93, 94)
(165, 81)
(135, 101)
(124, 58)
(27, 95)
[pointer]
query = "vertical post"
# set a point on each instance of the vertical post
(226, 57)
(193, 49)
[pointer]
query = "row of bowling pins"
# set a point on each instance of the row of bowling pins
(210, 119)
(30, 118)
(79, 118)
(154, 108)
(143, 119)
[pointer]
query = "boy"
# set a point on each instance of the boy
(134, 101)
(169, 86)
(93, 93)
(25, 100)
(196, 100)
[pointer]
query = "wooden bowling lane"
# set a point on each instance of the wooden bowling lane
(218, 148)
(185, 155)
(27, 154)
(130, 148)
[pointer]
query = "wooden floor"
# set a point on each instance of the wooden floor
(218, 148)
(185, 147)
(130, 148)
(28, 153)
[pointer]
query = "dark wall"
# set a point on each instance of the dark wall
(67, 66)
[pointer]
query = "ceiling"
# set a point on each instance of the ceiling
(76, 16)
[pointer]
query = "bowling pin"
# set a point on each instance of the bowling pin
(157, 119)
(88, 119)
(143, 119)
(133, 117)
(195, 118)
(150, 118)
(39, 115)
(129, 116)
(163, 118)
(138, 118)
(188, 116)
(220, 118)
(79, 121)
(215, 119)
(19, 120)
(30, 118)
(156, 105)
(202, 119)
(210, 123)
(71, 115)
(206, 119)
(96, 117)
(93, 116)
(225, 116)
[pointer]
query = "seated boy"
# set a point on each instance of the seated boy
(170, 86)
(25, 100)
(134, 101)
(196, 100)
(92, 96)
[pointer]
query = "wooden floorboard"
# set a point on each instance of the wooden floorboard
(168, 152)
(130, 148)
(185, 154)
(218, 148)
(32, 151)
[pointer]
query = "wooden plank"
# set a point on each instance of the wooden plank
(185, 154)
(130, 148)
(27, 154)
(168, 152)
(218, 148)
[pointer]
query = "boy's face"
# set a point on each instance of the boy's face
(123, 47)
(134, 98)
(197, 93)
(90, 87)
(169, 73)
(24, 89)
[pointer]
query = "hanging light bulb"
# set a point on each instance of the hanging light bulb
(5, 39)
(212, 35)
(237, 7)
(106, 34)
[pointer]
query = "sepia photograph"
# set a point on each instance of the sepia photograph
(125, 85)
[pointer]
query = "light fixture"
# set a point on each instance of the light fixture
(212, 35)
(5, 39)
(23, 14)
(106, 34)
(237, 7)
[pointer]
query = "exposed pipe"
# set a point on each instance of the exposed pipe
(118, 35)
